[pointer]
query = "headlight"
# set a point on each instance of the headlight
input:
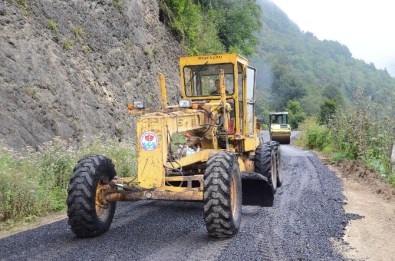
(185, 103)
(140, 105)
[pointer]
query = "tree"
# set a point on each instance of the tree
(332, 93)
(295, 113)
(236, 29)
(286, 86)
(328, 110)
(236, 21)
(213, 26)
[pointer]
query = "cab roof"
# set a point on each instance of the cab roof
(212, 59)
(278, 113)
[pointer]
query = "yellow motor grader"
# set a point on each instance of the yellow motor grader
(206, 148)
(279, 128)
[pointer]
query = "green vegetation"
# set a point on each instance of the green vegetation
(31, 90)
(86, 49)
(23, 4)
(364, 131)
(320, 75)
(68, 44)
(295, 114)
(148, 51)
(129, 43)
(78, 32)
(52, 25)
(35, 183)
(213, 26)
(118, 3)
(327, 112)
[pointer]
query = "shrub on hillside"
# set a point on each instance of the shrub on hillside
(363, 131)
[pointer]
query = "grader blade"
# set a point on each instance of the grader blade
(257, 190)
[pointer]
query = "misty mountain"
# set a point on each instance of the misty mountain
(297, 65)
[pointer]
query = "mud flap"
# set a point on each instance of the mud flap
(256, 190)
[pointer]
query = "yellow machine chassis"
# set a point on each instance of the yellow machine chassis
(151, 181)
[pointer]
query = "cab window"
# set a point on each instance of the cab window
(200, 79)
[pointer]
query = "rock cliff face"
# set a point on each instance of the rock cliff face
(69, 68)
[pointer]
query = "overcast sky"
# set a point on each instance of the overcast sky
(366, 27)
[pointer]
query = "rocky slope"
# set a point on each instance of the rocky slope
(69, 68)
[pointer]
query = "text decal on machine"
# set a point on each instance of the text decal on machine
(149, 140)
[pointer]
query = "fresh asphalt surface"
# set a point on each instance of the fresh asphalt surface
(307, 214)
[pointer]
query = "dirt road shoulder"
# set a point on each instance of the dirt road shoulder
(371, 235)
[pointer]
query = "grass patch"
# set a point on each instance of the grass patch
(68, 44)
(391, 178)
(52, 25)
(148, 52)
(23, 4)
(31, 91)
(86, 49)
(118, 3)
(79, 33)
(34, 184)
(338, 157)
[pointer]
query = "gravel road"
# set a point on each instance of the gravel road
(307, 215)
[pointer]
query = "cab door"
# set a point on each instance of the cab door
(250, 94)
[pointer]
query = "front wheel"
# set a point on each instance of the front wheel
(89, 214)
(222, 195)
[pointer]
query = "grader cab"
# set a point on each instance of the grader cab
(206, 148)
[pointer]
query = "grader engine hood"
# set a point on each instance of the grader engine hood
(154, 132)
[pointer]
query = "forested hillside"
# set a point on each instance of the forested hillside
(292, 65)
(295, 65)
(353, 101)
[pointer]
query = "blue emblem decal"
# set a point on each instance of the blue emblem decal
(149, 140)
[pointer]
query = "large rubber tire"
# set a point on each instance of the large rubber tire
(265, 163)
(279, 165)
(88, 215)
(222, 195)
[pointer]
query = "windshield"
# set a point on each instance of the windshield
(279, 119)
(202, 80)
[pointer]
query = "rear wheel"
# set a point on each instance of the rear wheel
(222, 195)
(265, 163)
(89, 214)
(273, 170)
(279, 165)
(279, 168)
